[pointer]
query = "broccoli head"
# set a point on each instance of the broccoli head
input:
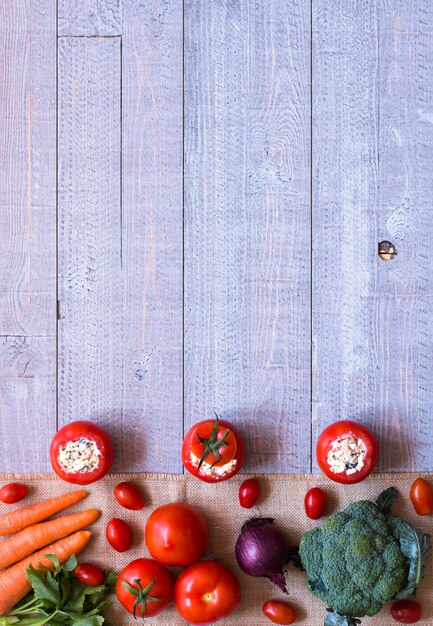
(355, 562)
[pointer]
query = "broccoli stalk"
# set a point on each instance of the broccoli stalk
(361, 558)
(333, 619)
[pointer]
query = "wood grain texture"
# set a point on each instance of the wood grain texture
(346, 362)
(152, 232)
(90, 277)
(90, 18)
(27, 402)
(372, 328)
(247, 125)
(28, 167)
(405, 217)
(28, 233)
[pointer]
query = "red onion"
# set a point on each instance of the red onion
(263, 550)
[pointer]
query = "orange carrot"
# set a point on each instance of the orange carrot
(21, 518)
(20, 545)
(13, 581)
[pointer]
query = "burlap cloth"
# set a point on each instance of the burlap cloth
(282, 498)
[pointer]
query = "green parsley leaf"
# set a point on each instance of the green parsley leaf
(53, 584)
(54, 560)
(110, 579)
(40, 587)
(75, 605)
(71, 564)
(95, 620)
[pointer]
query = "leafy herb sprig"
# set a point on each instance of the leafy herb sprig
(59, 599)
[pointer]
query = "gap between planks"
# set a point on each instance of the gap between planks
(311, 239)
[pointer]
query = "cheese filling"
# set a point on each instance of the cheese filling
(216, 470)
(79, 456)
(347, 455)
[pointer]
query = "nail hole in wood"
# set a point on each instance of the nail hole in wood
(387, 250)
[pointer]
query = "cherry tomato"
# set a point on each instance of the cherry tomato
(81, 452)
(347, 452)
(13, 492)
(248, 493)
(153, 584)
(315, 502)
(406, 611)
(421, 494)
(176, 534)
(119, 534)
(279, 612)
(89, 574)
(206, 592)
(128, 496)
(213, 450)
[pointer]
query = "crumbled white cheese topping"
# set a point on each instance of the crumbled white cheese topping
(347, 455)
(79, 456)
(217, 471)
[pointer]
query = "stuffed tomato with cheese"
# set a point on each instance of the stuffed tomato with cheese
(213, 450)
(81, 452)
(347, 451)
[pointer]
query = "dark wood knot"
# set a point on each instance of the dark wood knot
(386, 250)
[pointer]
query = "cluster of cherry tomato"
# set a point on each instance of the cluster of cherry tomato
(119, 532)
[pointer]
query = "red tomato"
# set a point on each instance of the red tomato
(81, 452)
(128, 496)
(176, 534)
(119, 534)
(144, 587)
(213, 450)
(347, 452)
(206, 592)
(89, 574)
(249, 492)
(279, 612)
(315, 502)
(13, 492)
(406, 611)
(421, 494)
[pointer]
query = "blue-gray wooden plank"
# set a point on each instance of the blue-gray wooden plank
(90, 237)
(405, 217)
(28, 167)
(346, 368)
(247, 224)
(152, 231)
(28, 227)
(372, 180)
(27, 402)
(90, 18)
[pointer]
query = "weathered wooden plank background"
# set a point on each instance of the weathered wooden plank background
(247, 224)
(191, 200)
(28, 233)
(373, 181)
